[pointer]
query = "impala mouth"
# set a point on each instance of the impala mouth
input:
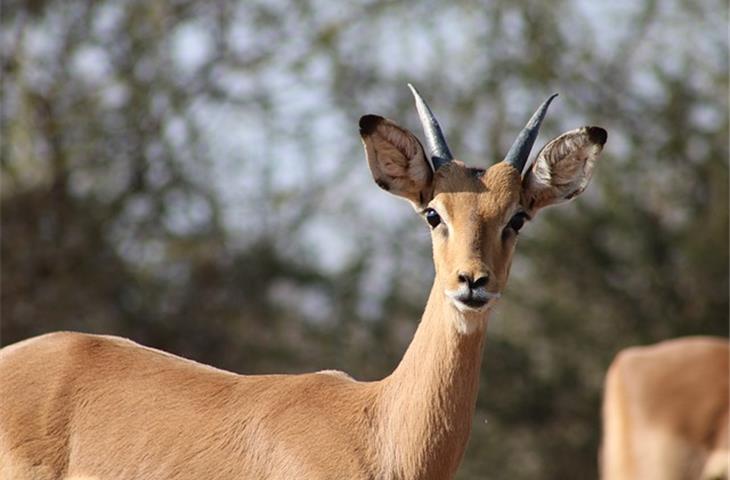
(472, 300)
(474, 303)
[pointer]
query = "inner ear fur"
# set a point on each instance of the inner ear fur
(396, 160)
(563, 168)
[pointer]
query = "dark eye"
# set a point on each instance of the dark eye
(517, 221)
(432, 217)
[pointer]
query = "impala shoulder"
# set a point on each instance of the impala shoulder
(54, 342)
(86, 344)
(336, 374)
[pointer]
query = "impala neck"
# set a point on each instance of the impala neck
(429, 399)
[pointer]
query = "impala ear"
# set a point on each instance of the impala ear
(397, 160)
(563, 168)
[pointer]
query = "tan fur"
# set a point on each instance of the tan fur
(665, 411)
(493, 199)
(88, 406)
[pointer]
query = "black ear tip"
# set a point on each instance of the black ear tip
(597, 135)
(368, 124)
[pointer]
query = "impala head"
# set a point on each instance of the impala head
(474, 214)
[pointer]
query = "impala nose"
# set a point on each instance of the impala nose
(472, 292)
(473, 281)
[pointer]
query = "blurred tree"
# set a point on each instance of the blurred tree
(189, 175)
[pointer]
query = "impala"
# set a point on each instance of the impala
(87, 406)
(665, 412)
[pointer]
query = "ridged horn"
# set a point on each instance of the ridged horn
(519, 152)
(438, 149)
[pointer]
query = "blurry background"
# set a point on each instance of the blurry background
(189, 174)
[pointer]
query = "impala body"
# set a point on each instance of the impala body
(665, 412)
(85, 406)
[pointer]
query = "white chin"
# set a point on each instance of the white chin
(468, 324)
(470, 319)
(464, 308)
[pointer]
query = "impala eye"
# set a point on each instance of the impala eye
(517, 221)
(432, 217)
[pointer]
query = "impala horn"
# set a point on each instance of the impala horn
(440, 153)
(519, 152)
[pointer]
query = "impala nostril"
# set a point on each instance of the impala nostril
(468, 280)
(481, 281)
